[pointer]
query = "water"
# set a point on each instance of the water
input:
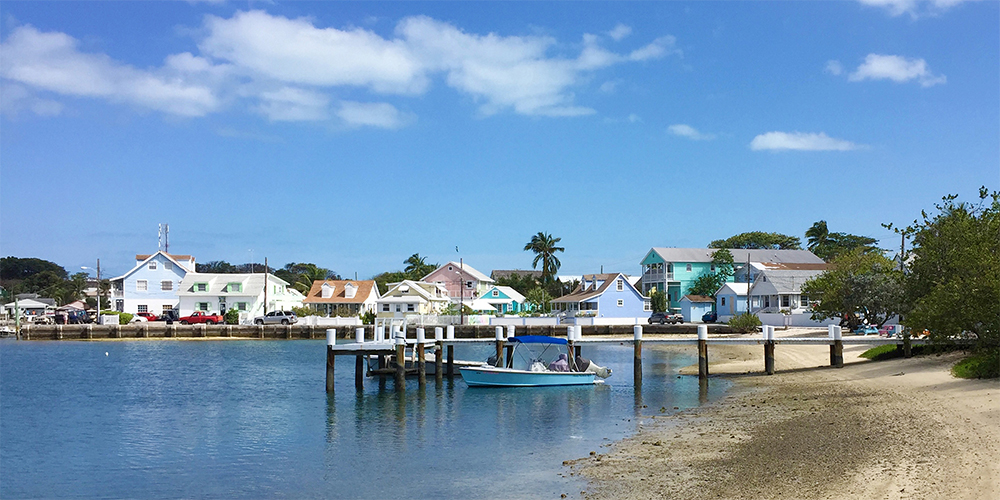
(251, 419)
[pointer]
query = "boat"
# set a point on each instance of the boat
(536, 361)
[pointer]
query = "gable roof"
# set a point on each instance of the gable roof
(506, 290)
(146, 258)
(581, 293)
(467, 269)
(697, 298)
(365, 288)
(739, 289)
(739, 255)
(784, 281)
(424, 290)
(253, 284)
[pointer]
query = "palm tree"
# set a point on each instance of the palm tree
(417, 267)
(544, 246)
(818, 235)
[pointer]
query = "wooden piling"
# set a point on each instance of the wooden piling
(702, 352)
(769, 357)
(438, 362)
(906, 344)
(451, 361)
(421, 365)
(838, 353)
(329, 368)
(637, 357)
(571, 354)
(359, 372)
(400, 367)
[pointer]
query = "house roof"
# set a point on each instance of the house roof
(581, 294)
(792, 266)
(784, 281)
(423, 289)
(146, 257)
(506, 290)
(739, 255)
(697, 298)
(253, 284)
(28, 304)
(736, 288)
(365, 288)
(499, 273)
(467, 269)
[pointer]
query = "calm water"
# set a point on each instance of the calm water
(251, 419)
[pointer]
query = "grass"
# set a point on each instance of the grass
(984, 364)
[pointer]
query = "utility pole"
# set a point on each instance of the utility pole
(461, 291)
(748, 281)
(99, 288)
(265, 286)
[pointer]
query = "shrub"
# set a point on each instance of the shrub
(123, 317)
(985, 364)
(745, 323)
(368, 318)
(232, 317)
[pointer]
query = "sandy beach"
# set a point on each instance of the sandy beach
(896, 429)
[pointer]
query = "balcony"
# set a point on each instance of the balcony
(657, 276)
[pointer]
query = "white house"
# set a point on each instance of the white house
(412, 297)
(777, 290)
(217, 293)
(335, 297)
(151, 286)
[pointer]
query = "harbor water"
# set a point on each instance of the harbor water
(251, 419)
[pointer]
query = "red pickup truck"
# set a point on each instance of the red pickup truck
(201, 317)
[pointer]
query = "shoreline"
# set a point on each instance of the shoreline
(896, 429)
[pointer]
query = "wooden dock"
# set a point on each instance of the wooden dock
(392, 346)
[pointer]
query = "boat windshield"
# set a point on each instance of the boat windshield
(535, 356)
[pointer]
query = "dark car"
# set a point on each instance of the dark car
(665, 317)
(170, 315)
(710, 317)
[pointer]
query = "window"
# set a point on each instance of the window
(143, 308)
(398, 308)
(167, 308)
(241, 306)
(203, 306)
(166, 285)
(621, 303)
(496, 293)
(234, 287)
(201, 287)
(409, 307)
(689, 268)
(141, 285)
(619, 283)
(723, 301)
(646, 307)
(152, 265)
(784, 301)
(168, 265)
(713, 268)
(385, 307)
(468, 284)
(804, 300)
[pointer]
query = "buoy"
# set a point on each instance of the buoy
(105, 353)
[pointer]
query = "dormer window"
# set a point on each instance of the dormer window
(328, 290)
(201, 287)
(234, 287)
(350, 290)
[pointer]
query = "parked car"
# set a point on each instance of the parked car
(148, 316)
(138, 319)
(710, 317)
(665, 317)
(169, 316)
(276, 317)
(198, 317)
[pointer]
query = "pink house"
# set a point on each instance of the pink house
(461, 280)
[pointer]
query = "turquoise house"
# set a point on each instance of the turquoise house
(505, 299)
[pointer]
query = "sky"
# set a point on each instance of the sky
(352, 135)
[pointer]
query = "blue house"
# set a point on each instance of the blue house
(693, 307)
(608, 295)
(504, 299)
(731, 300)
(151, 286)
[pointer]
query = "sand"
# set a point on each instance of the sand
(897, 429)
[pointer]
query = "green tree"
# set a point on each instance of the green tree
(757, 240)
(658, 301)
(828, 246)
(217, 267)
(382, 280)
(709, 284)
(858, 285)
(417, 267)
(302, 274)
(539, 299)
(520, 283)
(544, 247)
(953, 278)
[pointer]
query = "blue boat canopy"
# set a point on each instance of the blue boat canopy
(538, 339)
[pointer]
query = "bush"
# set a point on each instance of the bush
(368, 318)
(745, 323)
(982, 365)
(232, 317)
(124, 318)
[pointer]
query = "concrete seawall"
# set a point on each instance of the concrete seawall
(299, 332)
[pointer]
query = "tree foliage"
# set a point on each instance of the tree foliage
(521, 283)
(953, 278)
(45, 278)
(417, 267)
(828, 246)
(539, 299)
(709, 284)
(858, 286)
(757, 240)
(544, 247)
(658, 301)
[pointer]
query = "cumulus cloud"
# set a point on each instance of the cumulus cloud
(291, 69)
(834, 67)
(913, 7)
(52, 62)
(800, 141)
(895, 68)
(689, 132)
(619, 32)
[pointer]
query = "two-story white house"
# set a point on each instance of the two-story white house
(412, 298)
(217, 293)
(151, 286)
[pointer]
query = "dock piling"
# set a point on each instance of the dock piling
(331, 340)
(400, 341)
(769, 350)
(837, 347)
(450, 332)
(438, 351)
(637, 356)
(421, 359)
(500, 343)
(702, 351)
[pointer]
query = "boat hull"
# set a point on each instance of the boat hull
(506, 377)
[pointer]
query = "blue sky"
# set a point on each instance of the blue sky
(352, 135)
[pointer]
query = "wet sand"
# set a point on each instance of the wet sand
(897, 429)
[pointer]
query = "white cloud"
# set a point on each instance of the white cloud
(372, 114)
(51, 62)
(609, 86)
(689, 132)
(294, 104)
(834, 67)
(619, 32)
(800, 141)
(634, 118)
(15, 99)
(895, 68)
(660, 47)
(913, 7)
